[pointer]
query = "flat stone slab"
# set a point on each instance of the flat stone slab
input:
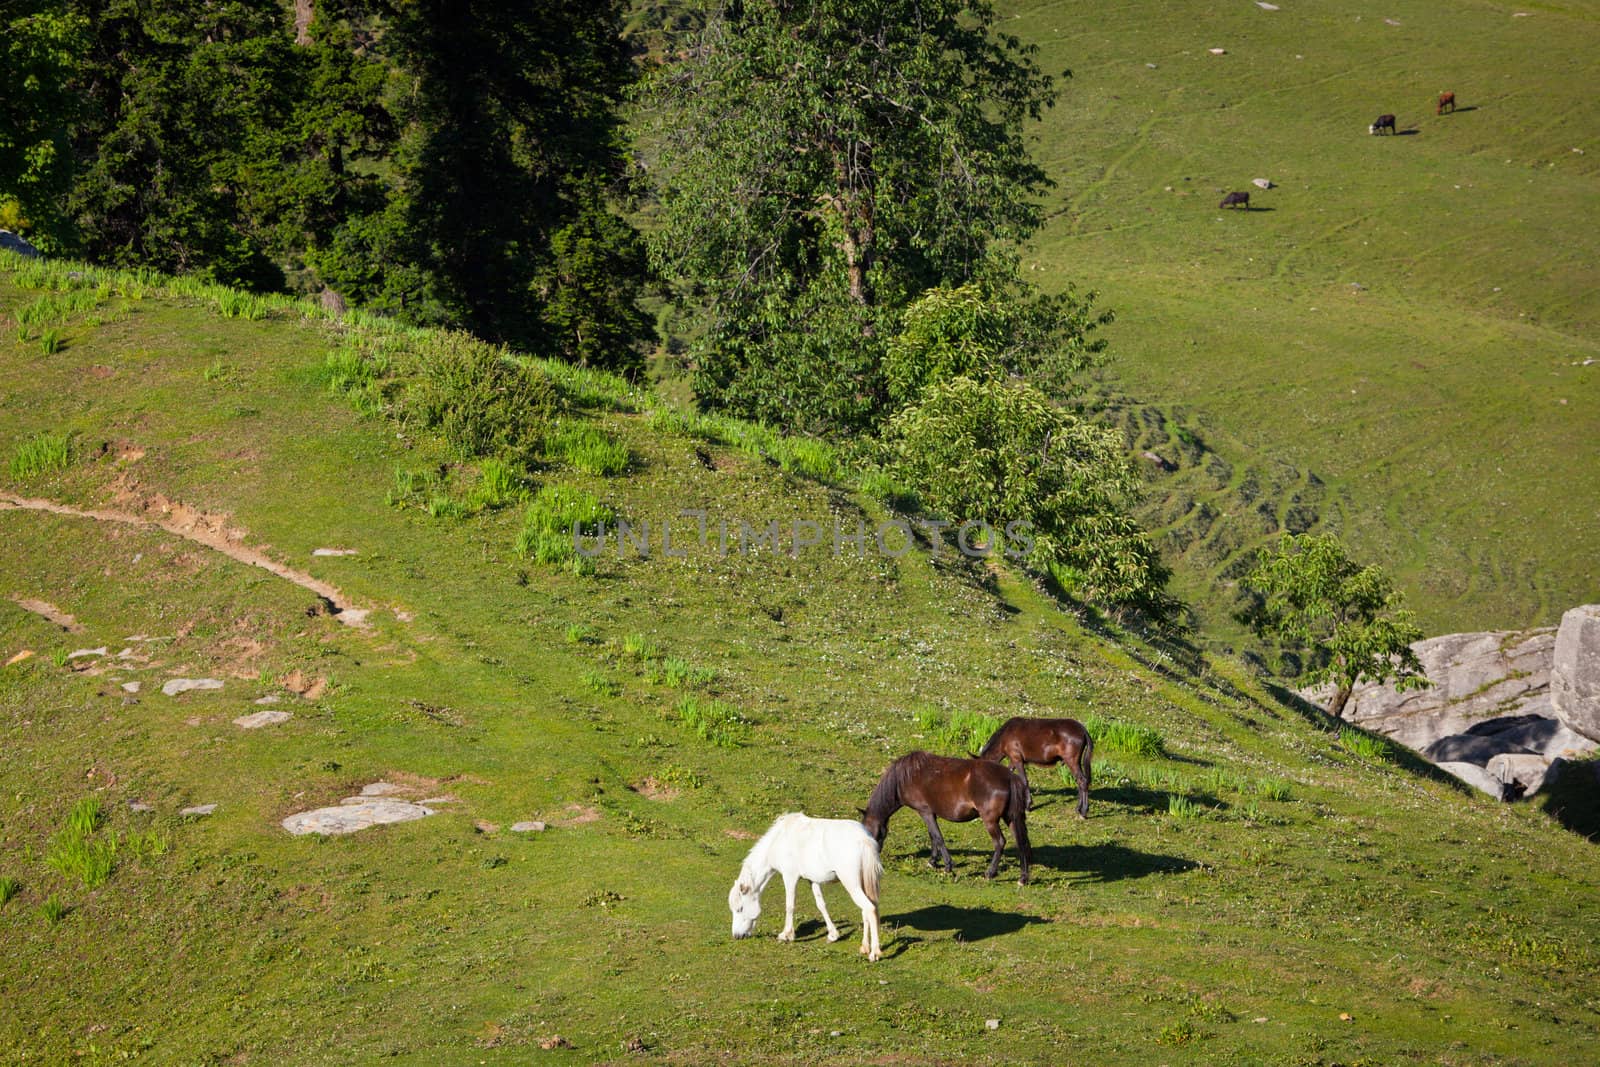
(130, 687)
(333, 552)
(530, 826)
(382, 789)
(262, 718)
(184, 685)
(139, 805)
(199, 809)
(80, 653)
(347, 818)
(270, 698)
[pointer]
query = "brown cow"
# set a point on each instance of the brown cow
(1236, 200)
(1446, 100)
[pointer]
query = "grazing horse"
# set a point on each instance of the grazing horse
(1446, 100)
(820, 850)
(957, 790)
(1236, 200)
(1384, 122)
(1046, 742)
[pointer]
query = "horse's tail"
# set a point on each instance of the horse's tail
(871, 872)
(1021, 800)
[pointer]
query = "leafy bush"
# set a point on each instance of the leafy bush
(1000, 453)
(44, 454)
(478, 398)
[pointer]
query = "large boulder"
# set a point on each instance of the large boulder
(13, 243)
(1575, 671)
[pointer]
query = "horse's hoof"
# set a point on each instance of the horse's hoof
(786, 937)
(833, 937)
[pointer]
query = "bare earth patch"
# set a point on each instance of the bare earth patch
(577, 815)
(48, 611)
(654, 789)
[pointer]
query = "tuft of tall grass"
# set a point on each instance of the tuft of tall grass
(1181, 807)
(76, 853)
(50, 342)
(85, 817)
(1126, 738)
(499, 483)
(53, 910)
(9, 887)
(555, 515)
(1272, 789)
(578, 633)
(639, 646)
(585, 447)
(713, 721)
(598, 683)
(680, 673)
(959, 732)
(1367, 746)
(46, 453)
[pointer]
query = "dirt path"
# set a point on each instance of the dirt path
(209, 530)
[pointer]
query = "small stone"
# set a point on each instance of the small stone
(529, 826)
(439, 800)
(381, 789)
(184, 685)
(1152, 66)
(1346, 1017)
(1218, 51)
(333, 552)
(26, 653)
(199, 809)
(993, 1024)
(1263, 5)
(554, 1041)
(139, 805)
(270, 698)
(262, 718)
(1259, 1019)
(130, 687)
(484, 826)
(835, 1033)
(101, 651)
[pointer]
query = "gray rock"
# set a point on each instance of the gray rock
(531, 826)
(1471, 748)
(139, 805)
(1476, 777)
(349, 818)
(1523, 775)
(1536, 733)
(270, 698)
(184, 685)
(381, 789)
(130, 687)
(199, 809)
(1575, 671)
(82, 652)
(262, 718)
(1261, 183)
(333, 552)
(13, 243)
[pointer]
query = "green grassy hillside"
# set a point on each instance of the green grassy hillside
(1253, 890)
(1403, 317)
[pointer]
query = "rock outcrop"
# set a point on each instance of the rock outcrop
(1575, 672)
(1505, 706)
(15, 243)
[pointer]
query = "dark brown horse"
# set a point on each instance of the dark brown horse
(1046, 742)
(1446, 100)
(956, 790)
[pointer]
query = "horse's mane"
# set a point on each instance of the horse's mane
(994, 742)
(758, 851)
(886, 794)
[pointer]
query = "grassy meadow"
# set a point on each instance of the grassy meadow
(1249, 888)
(1404, 318)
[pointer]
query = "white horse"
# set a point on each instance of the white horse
(821, 850)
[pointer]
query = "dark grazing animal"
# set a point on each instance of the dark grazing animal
(1384, 122)
(1446, 100)
(1236, 200)
(1045, 742)
(956, 790)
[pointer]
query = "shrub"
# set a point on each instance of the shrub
(478, 398)
(44, 454)
(548, 526)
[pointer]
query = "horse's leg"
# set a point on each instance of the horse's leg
(936, 840)
(1076, 766)
(869, 919)
(1022, 769)
(999, 838)
(787, 933)
(822, 906)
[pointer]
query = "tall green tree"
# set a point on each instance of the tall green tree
(40, 43)
(820, 165)
(1312, 596)
(511, 138)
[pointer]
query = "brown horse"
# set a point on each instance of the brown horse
(957, 790)
(1046, 742)
(1446, 100)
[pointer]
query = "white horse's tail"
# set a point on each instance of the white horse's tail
(871, 871)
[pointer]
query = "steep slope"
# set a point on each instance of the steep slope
(1236, 890)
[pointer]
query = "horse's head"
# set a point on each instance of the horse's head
(744, 900)
(876, 825)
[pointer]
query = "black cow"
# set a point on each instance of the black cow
(1236, 200)
(1385, 122)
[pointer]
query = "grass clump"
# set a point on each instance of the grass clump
(356, 371)
(680, 673)
(499, 483)
(586, 448)
(599, 684)
(53, 910)
(45, 454)
(579, 633)
(639, 646)
(1128, 739)
(1182, 807)
(76, 853)
(1367, 746)
(50, 342)
(556, 515)
(479, 399)
(1272, 789)
(9, 887)
(713, 721)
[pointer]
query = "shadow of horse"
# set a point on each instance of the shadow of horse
(1109, 863)
(968, 924)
